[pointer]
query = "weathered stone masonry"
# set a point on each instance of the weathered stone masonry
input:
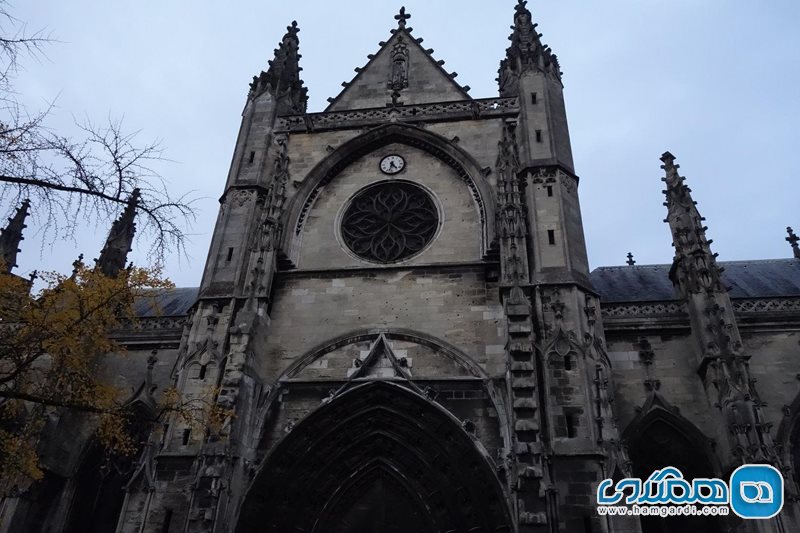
(485, 381)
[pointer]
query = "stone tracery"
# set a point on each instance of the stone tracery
(390, 222)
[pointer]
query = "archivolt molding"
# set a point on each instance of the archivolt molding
(272, 393)
(465, 166)
(371, 335)
(377, 420)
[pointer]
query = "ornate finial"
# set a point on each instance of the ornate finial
(402, 17)
(630, 261)
(77, 264)
(292, 31)
(793, 239)
(114, 255)
(11, 236)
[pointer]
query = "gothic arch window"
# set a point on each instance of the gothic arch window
(389, 222)
(99, 484)
(661, 438)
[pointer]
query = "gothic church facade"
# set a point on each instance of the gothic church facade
(397, 306)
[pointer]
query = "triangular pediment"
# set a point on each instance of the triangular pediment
(380, 362)
(401, 65)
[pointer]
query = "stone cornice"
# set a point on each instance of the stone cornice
(437, 112)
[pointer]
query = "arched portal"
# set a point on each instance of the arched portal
(659, 438)
(377, 458)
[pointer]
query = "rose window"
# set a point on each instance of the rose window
(390, 222)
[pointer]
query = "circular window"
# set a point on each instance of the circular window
(389, 222)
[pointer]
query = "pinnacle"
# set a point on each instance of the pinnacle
(672, 178)
(120, 238)
(293, 29)
(526, 52)
(282, 77)
(793, 239)
(11, 236)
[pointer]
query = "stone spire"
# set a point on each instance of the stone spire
(282, 78)
(120, 239)
(792, 239)
(526, 52)
(11, 236)
(723, 364)
(694, 268)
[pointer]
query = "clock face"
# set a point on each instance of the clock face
(392, 164)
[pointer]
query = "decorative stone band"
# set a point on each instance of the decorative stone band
(677, 308)
(151, 323)
(439, 112)
(643, 309)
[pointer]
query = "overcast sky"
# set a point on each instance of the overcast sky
(713, 81)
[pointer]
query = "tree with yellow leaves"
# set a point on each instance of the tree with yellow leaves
(52, 345)
(54, 340)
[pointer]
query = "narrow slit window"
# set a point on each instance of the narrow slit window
(538, 136)
(534, 98)
(202, 374)
(230, 254)
(166, 522)
(572, 426)
(549, 190)
(186, 433)
(568, 362)
(551, 236)
(252, 157)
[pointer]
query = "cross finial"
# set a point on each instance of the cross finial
(793, 239)
(402, 17)
(630, 261)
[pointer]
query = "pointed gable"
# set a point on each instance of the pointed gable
(380, 363)
(401, 65)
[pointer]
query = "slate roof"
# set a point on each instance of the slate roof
(174, 302)
(767, 278)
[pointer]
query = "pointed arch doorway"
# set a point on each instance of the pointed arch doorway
(661, 437)
(379, 457)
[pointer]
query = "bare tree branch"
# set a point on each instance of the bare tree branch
(74, 181)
